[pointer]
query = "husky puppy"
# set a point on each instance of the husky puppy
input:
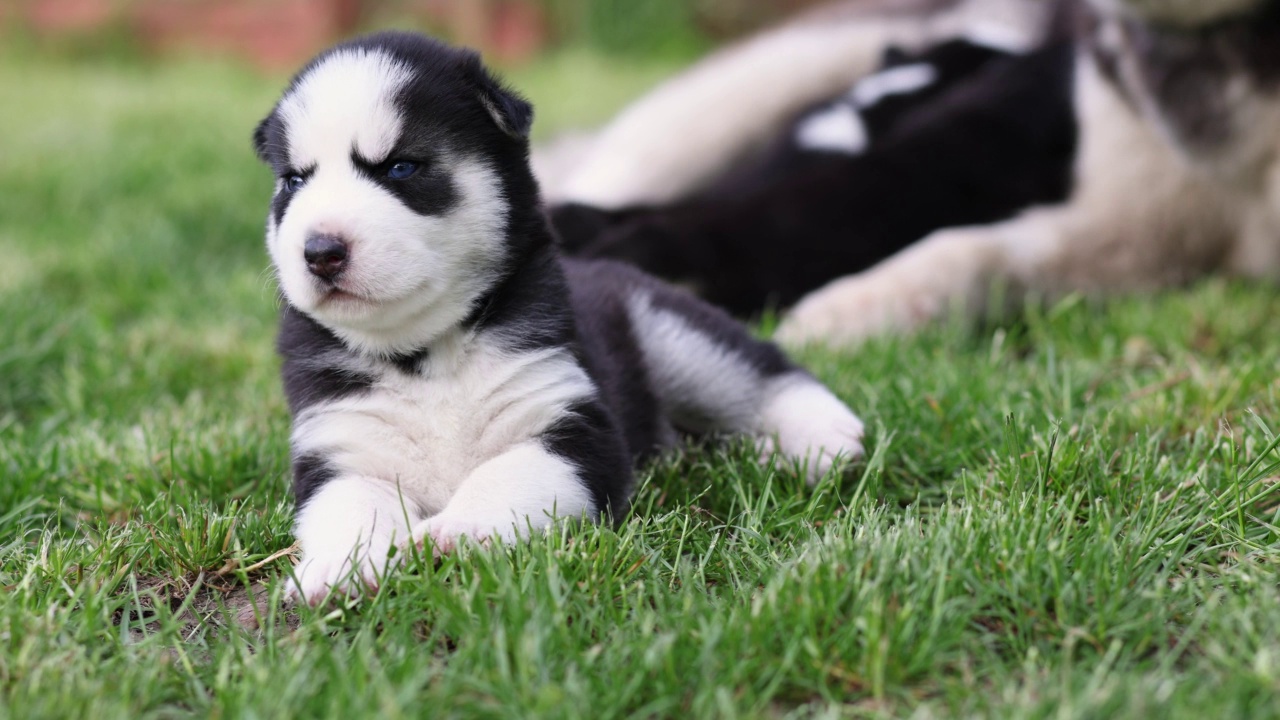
(448, 374)
(1177, 176)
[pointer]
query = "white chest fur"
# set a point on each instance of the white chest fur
(427, 431)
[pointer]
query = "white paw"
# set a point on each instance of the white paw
(807, 424)
(346, 532)
(856, 308)
(322, 574)
(444, 530)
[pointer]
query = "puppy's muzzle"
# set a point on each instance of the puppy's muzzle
(326, 256)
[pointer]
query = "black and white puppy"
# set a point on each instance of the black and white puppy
(448, 373)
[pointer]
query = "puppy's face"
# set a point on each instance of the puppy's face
(389, 214)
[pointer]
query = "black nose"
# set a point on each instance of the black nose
(326, 256)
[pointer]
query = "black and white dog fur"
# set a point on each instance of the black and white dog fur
(957, 134)
(682, 136)
(1175, 174)
(448, 374)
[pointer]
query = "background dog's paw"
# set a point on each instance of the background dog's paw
(806, 423)
(853, 309)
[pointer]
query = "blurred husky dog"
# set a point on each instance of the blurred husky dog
(960, 133)
(1171, 107)
(680, 137)
(1177, 175)
(447, 372)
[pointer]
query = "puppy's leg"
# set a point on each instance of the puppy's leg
(711, 376)
(802, 420)
(521, 490)
(348, 529)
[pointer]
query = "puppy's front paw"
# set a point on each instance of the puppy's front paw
(806, 423)
(323, 574)
(444, 530)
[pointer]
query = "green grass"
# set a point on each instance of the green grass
(1074, 516)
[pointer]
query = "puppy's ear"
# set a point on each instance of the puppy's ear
(512, 113)
(260, 138)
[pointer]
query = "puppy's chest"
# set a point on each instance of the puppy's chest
(428, 430)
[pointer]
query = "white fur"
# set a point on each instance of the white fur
(677, 138)
(347, 531)
(345, 102)
(895, 81)
(802, 420)
(999, 37)
(838, 129)
(1186, 13)
(705, 387)
(697, 379)
(1152, 220)
(521, 490)
(409, 276)
(425, 438)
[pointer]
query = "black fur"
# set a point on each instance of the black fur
(975, 148)
(310, 473)
(308, 350)
(953, 61)
(429, 191)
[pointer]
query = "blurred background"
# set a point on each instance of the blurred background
(578, 60)
(135, 295)
(279, 34)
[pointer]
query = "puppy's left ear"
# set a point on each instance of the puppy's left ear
(512, 113)
(260, 138)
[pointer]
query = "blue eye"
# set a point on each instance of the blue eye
(293, 182)
(402, 169)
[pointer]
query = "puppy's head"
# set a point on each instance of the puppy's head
(397, 162)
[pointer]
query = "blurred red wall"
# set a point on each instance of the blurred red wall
(279, 34)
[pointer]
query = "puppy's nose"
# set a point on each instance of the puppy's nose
(326, 256)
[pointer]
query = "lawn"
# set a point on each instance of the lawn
(1072, 515)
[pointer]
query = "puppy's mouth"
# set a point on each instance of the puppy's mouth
(335, 294)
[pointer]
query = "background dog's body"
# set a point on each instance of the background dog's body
(958, 134)
(1174, 175)
(1177, 176)
(678, 139)
(448, 374)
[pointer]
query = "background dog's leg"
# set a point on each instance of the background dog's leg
(521, 490)
(949, 271)
(1108, 241)
(350, 522)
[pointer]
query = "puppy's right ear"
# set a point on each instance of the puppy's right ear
(260, 138)
(512, 113)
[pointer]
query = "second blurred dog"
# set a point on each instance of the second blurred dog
(1141, 154)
